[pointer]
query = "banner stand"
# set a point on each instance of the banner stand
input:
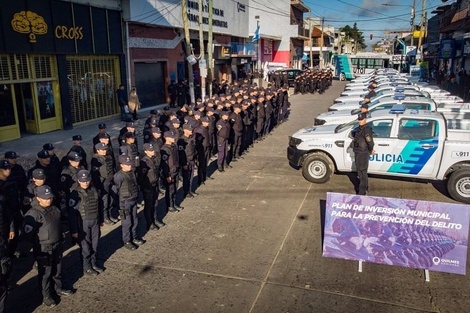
(360, 267)
(426, 276)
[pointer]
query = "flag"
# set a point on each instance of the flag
(256, 34)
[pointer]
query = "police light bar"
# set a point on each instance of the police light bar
(397, 109)
(393, 84)
(399, 97)
(393, 80)
(400, 89)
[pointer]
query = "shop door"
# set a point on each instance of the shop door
(150, 83)
(27, 114)
(48, 115)
(9, 129)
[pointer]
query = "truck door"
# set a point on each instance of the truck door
(418, 147)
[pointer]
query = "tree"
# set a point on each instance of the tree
(354, 33)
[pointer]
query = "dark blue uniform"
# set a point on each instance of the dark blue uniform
(363, 145)
(126, 184)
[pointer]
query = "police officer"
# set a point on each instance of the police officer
(147, 178)
(170, 169)
(130, 127)
(18, 174)
(18, 179)
(85, 221)
(51, 171)
(237, 129)
(223, 134)
(69, 174)
(187, 156)
(129, 148)
(127, 188)
(77, 147)
(102, 173)
(202, 141)
(363, 147)
(55, 162)
(29, 193)
(42, 226)
(5, 262)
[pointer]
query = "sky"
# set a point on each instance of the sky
(371, 16)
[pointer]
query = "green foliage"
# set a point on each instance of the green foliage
(354, 33)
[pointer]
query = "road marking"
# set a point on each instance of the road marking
(263, 282)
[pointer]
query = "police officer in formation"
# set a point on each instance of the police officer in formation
(311, 81)
(174, 145)
(85, 221)
(43, 227)
(127, 189)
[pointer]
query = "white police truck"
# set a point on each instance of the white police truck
(408, 143)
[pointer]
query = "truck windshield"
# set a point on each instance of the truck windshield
(345, 126)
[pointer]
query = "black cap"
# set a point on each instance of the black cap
(4, 165)
(43, 154)
(148, 147)
(153, 121)
(124, 159)
(130, 124)
(101, 146)
(74, 156)
(155, 130)
(371, 87)
(103, 135)
(77, 137)
(44, 192)
(205, 119)
(169, 134)
(39, 174)
(187, 127)
(361, 116)
(48, 146)
(175, 120)
(224, 113)
(129, 135)
(364, 106)
(11, 155)
(83, 176)
(102, 126)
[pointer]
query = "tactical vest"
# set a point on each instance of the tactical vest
(224, 132)
(129, 188)
(50, 231)
(190, 147)
(152, 169)
(172, 160)
(88, 206)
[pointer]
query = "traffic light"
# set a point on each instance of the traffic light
(371, 36)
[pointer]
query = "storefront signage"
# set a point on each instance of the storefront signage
(400, 232)
(447, 49)
(54, 26)
(466, 47)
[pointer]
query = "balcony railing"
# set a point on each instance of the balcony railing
(242, 49)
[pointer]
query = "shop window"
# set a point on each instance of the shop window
(46, 100)
(7, 111)
(4, 69)
(42, 66)
(92, 87)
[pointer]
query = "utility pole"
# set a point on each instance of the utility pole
(187, 41)
(421, 31)
(321, 43)
(310, 41)
(413, 8)
(202, 57)
(210, 49)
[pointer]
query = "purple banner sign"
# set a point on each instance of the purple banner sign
(401, 232)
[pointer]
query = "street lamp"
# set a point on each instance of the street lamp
(412, 21)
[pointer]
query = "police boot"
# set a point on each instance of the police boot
(221, 169)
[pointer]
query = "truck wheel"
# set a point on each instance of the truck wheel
(317, 168)
(458, 185)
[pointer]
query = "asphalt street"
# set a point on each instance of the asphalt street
(251, 242)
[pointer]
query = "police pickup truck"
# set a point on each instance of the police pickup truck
(408, 143)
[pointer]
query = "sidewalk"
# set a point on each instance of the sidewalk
(30, 144)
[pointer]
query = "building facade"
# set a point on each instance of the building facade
(282, 31)
(60, 64)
